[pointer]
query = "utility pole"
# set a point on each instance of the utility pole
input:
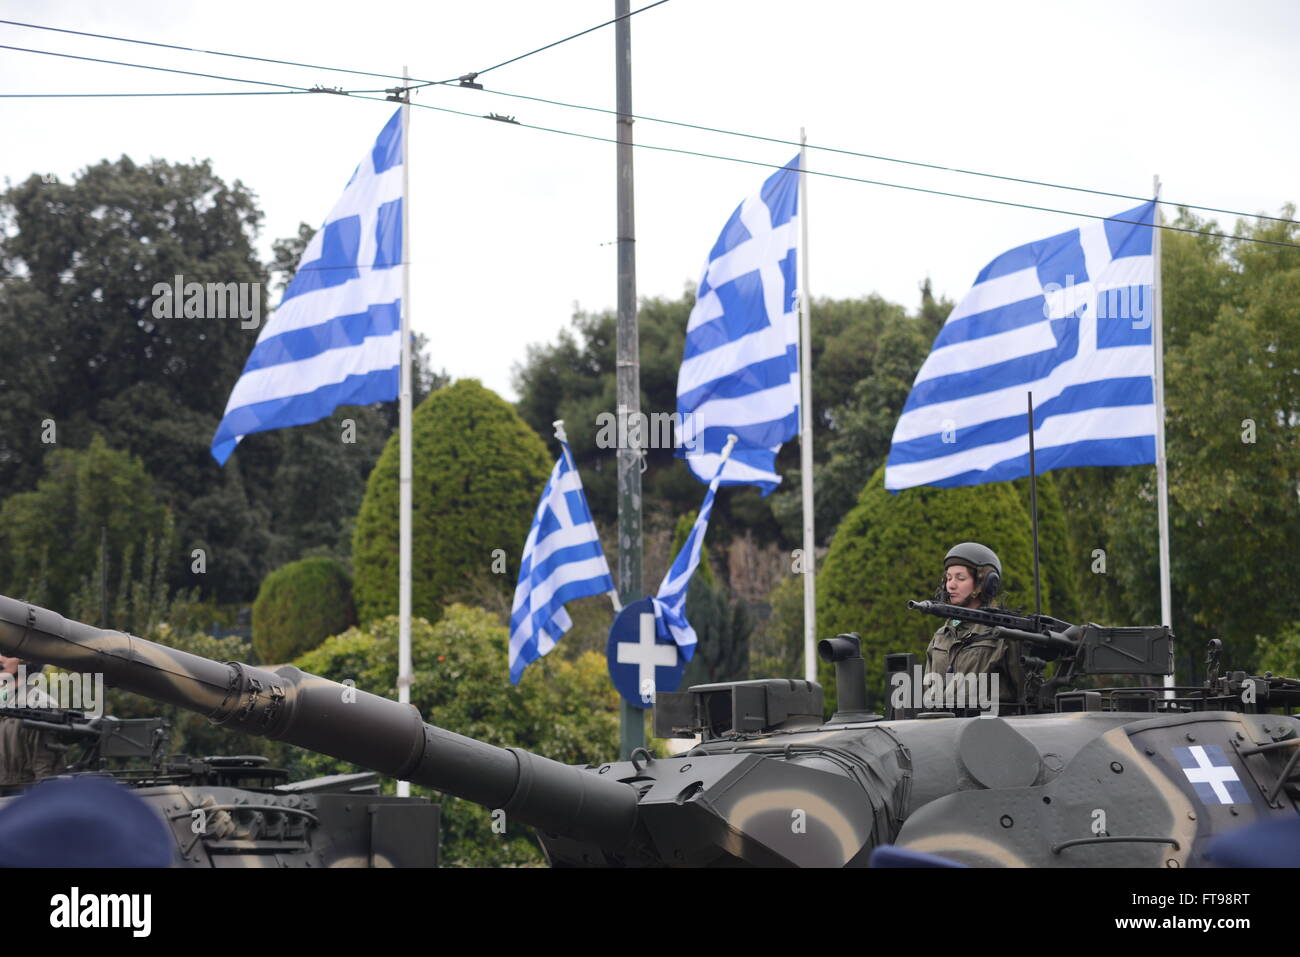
(628, 381)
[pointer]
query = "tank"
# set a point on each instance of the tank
(1115, 777)
(236, 811)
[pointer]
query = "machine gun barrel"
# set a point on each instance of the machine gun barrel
(1040, 624)
(1056, 642)
(330, 718)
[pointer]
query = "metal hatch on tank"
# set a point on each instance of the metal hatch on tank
(1112, 777)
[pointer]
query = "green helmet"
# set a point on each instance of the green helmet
(973, 554)
(978, 556)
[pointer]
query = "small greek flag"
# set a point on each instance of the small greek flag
(670, 603)
(1066, 318)
(336, 337)
(562, 561)
(740, 366)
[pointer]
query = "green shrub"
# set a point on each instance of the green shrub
(478, 472)
(299, 606)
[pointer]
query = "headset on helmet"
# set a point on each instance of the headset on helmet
(978, 556)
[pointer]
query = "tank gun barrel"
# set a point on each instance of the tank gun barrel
(330, 718)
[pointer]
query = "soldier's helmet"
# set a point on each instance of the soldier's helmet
(978, 556)
(973, 554)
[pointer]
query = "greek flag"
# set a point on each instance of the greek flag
(336, 338)
(1066, 318)
(670, 603)
(562, 561)
(740, 367)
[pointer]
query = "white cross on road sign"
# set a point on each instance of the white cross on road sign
(646, 654)
(1208, 773)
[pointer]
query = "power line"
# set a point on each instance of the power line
(870, 182)
(174, 46)
(73, 96)
(160, 69)
(888, 159)
(684, 152)
(317, 66)
(549, 45)
(651, 119)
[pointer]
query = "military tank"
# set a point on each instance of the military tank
(232, 811)
(1129, 777)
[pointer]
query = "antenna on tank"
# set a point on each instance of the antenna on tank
(1033, 508)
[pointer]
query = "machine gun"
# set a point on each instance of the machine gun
(1143, 652)
(99, 738)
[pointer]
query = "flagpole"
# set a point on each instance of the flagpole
(1162, 470)
(404, 429)
(805, 426)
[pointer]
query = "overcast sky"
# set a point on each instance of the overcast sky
(511, 227)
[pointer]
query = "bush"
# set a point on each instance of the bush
(565, 710)
(300, 605)
(478, 472)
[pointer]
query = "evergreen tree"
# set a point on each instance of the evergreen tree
(478, 473)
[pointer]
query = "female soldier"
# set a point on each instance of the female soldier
(972, 579)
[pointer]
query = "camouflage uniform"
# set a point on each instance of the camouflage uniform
(965, 648)
(24, 755)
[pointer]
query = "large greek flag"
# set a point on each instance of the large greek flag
(562, 561)
(1066, 318)
(740, 367)
(670, 602)
(336, 337)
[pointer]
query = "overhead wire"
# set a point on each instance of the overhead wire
(668, 149)
(886, 159)
(421, 83)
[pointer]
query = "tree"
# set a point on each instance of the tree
(50, 538)
(479, 470)
(79, 263)
(564, 710)
(1232, 386)
(865, 354)
(776, 649)
(300, 605)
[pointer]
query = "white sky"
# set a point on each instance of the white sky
(511, 227)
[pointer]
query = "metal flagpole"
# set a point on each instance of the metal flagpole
(1162, 473)
(628, 368)
(404, 429)
(805, 427)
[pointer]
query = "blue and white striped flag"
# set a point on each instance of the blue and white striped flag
(336, 337)
(740, 367)
(670, 603)
(1066, 318)
(562, 561)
